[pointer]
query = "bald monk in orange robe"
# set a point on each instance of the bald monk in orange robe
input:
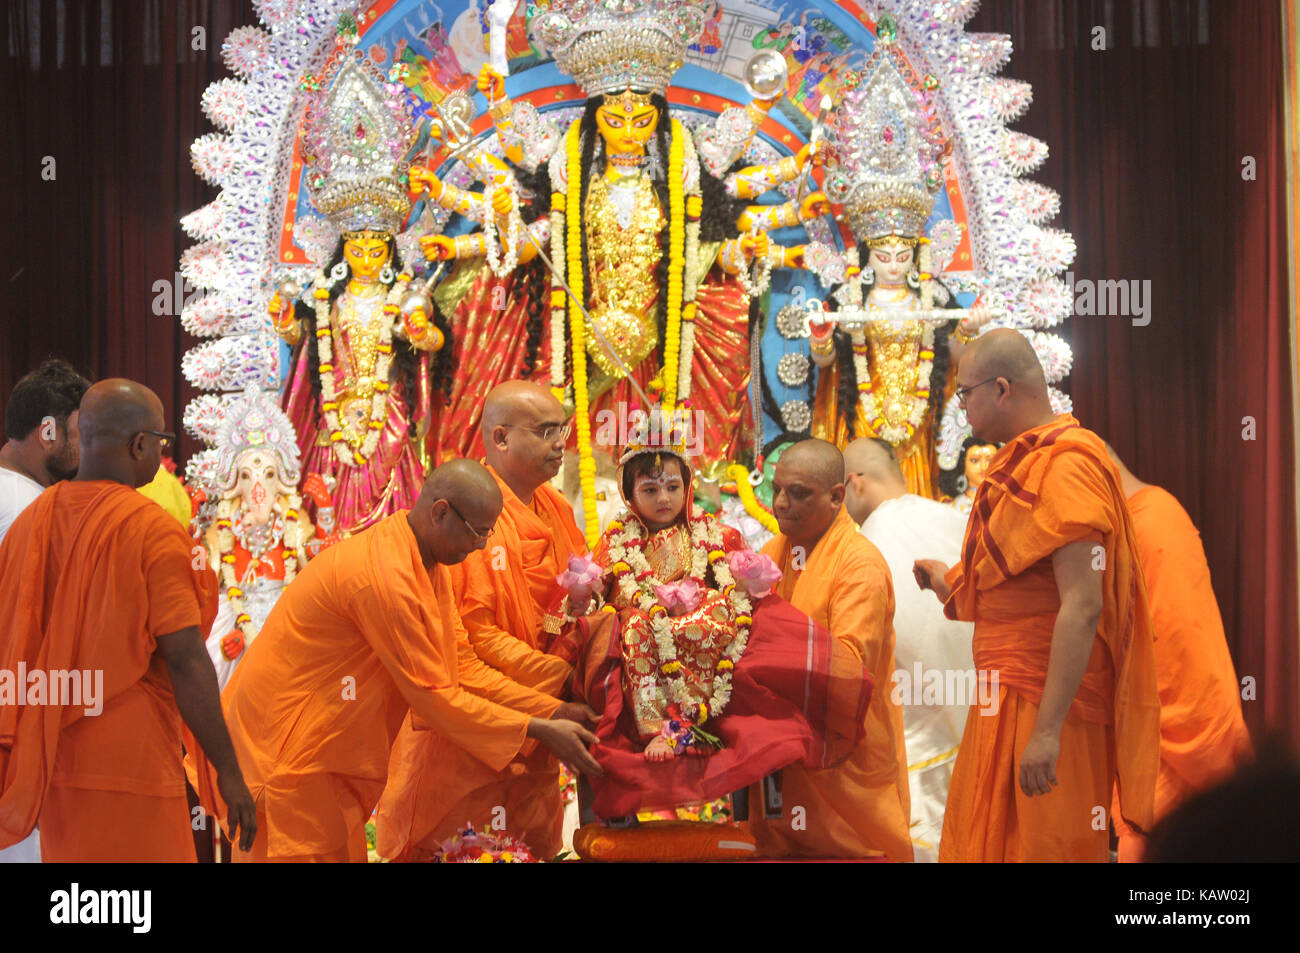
(1050, 576)
(435, 786)
(367, 631)
(1203, 737)
(834, 574)
(99, 583)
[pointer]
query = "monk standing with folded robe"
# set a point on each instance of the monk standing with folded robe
(435, 786)
(106, 603)
(1050, 576)
(1203, 737)
(832, 573)
(367, 631)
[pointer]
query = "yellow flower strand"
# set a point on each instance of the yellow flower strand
(676, 265)
(578, 335)
(746, 493)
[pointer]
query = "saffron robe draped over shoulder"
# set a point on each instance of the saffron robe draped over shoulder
(1049, 487)
(1203, 736)
(861, 807)
(436, 786)
(93, 574)
(365, 633)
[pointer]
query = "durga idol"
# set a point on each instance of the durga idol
(646, 224)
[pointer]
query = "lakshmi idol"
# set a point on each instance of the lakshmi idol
(885, 356)
(358, 391)
(649, 280)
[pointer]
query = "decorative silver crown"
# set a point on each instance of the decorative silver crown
(254, 421)
(356, 141)
(609, 45)
(655, 433)
(887, 147)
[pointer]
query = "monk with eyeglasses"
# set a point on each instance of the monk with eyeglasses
(369, 636)
(1050, 575)
(503, 590)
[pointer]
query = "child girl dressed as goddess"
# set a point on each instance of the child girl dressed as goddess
(683, 585)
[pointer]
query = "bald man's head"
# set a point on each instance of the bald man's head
(456, 511)
(120, 422)
(808, 490)
(524, 434)
(1004, 386)
(819, 458)
(872, 476)
(115, 409)
(1004, 352)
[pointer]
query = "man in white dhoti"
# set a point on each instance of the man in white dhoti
(934, 680)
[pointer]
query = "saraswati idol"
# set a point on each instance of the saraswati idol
(888, 348)
(358, 391)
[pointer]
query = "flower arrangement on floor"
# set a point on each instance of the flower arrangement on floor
(471, 847)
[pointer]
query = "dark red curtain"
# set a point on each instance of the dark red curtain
(106, 94)
(1149, 140)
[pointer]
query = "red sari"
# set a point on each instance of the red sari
(797, 696)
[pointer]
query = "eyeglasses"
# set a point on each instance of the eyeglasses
(165, 439)
(964, 392)
(548, 434)
(475, 533)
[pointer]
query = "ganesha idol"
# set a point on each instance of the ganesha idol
(260, 536)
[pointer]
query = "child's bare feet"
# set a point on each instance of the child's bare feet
(659, 749)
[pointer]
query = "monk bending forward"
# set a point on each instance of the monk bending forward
(369, 630)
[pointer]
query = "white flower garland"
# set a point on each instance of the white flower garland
(636, 581)
(558, 311)
(500, 264)
(349, 454)
(754, 287)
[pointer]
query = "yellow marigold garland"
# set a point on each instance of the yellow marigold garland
(578, 334)
(676, 265)
(746, 493)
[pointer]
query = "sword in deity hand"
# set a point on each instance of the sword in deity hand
(498, 17)
(823, 110)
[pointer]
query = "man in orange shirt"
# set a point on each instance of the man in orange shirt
(435, 786)
(1203, 737)
(107, 606)
(835, 575)
(1049, 574)
(367, 631)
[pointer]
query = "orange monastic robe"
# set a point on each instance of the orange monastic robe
(1049, 487)
(859, 808)
(92, 574)
(364, 634)
(436, 787)
(1203, 736)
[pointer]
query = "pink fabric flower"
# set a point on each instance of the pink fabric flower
(680, 597)
(581, 576)
(754, 571)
